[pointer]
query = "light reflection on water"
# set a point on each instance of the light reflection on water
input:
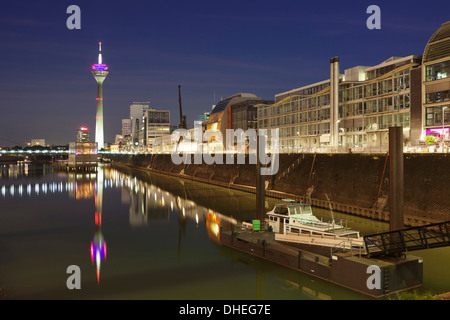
(149, 236)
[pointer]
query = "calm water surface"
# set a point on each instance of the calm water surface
(137, 235)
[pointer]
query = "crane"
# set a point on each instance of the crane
(182, 117)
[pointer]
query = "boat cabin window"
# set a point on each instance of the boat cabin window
(281, 210)
(307, 209)
(297, 210)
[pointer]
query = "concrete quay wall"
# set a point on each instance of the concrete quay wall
(354, 183)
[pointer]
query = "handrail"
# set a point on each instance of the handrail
(340, 245)
(417, 238)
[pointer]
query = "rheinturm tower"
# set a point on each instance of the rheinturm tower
(100, 71)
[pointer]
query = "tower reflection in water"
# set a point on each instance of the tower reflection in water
(147, 202)
(86, 186)
(98, 244)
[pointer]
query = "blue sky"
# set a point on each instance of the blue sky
(210, 48)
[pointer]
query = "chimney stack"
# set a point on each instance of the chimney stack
(334, 102)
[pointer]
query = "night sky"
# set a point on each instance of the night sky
(210, 48)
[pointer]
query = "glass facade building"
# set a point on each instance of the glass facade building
(369, 101)
(436, 85)
(157, 125)
(137, 112)
(354, 110)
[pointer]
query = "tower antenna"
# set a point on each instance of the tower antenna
(100, 53)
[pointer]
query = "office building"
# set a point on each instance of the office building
(350, 110)
(354, 110)
(83, 134)
(156, 123)
(126, 127)
(137, 112)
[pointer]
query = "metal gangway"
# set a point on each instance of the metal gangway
(400, 241)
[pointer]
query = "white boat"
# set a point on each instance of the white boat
(295, 223)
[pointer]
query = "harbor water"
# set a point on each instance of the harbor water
(140, 235)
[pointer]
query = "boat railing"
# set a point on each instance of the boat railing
(330, 220)
(314, 233)
(347, 246)
(321, 221)
(340, 247)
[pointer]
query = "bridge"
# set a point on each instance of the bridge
(27, 152)
(53, 152)
(22, 153)
(17, 155)
(400, 241)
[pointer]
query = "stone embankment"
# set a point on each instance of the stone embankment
(352, 183)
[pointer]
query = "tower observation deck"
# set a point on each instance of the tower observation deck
(100, 72)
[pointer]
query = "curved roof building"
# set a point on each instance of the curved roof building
(239, 97)
(439, 44)
(436, 85)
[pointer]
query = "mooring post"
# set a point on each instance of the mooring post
(260, 182)
(396, 187)
(396, 179)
